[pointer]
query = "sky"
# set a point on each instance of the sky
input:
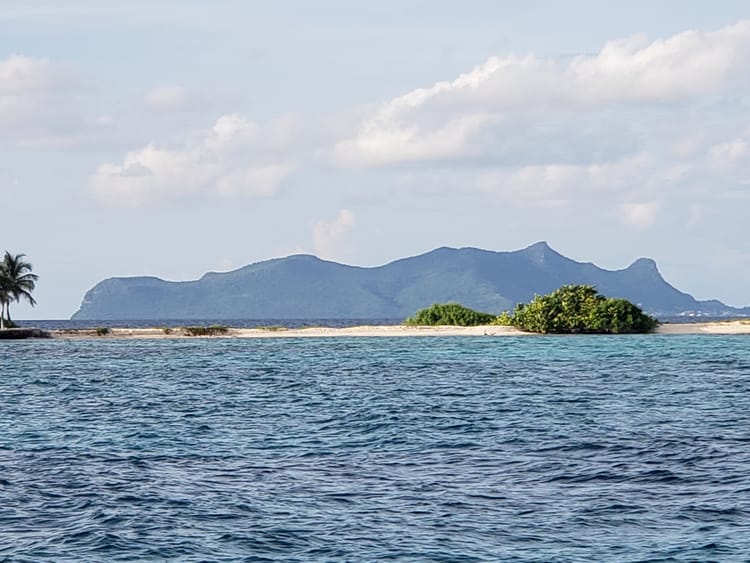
(171, 138)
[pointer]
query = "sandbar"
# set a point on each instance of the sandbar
(719, 327)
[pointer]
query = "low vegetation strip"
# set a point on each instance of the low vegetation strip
(23, 333)
(213, 330)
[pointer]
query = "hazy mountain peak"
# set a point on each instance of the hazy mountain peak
(541, 253)
(645, 265)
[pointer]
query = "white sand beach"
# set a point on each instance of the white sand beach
(720, 327)
(717, 327)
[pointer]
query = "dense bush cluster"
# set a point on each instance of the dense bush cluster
(570, 309)
(578, 309)
(449, 314)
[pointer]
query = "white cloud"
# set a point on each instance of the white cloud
(39, 102)
(533, 186)
(505, 95)
(329, 237)
(383, 145)
(646, 133)
(20, 74)
(660, 171)
(557, 185)
(639, 215)
(729, 155)
(231, 158)
(684, 65)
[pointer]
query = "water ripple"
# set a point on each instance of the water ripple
(435, 449)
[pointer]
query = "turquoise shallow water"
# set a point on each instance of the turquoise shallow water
(587, 448)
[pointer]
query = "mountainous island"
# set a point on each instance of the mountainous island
(306, 287)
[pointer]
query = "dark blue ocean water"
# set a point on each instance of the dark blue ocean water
(583, 448)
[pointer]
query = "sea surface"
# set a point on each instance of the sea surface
(567, 448)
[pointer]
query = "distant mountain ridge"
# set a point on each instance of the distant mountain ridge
(306, 287)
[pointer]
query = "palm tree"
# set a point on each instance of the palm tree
(16, 283)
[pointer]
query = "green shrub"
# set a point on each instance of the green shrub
(620, 315)
(580, 309)
(449, 314)
(503, 319)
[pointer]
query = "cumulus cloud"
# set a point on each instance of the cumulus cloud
(643, 131)
(329, 236)
(231, 158)
(452, 119)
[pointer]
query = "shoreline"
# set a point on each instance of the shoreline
(716, 327)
